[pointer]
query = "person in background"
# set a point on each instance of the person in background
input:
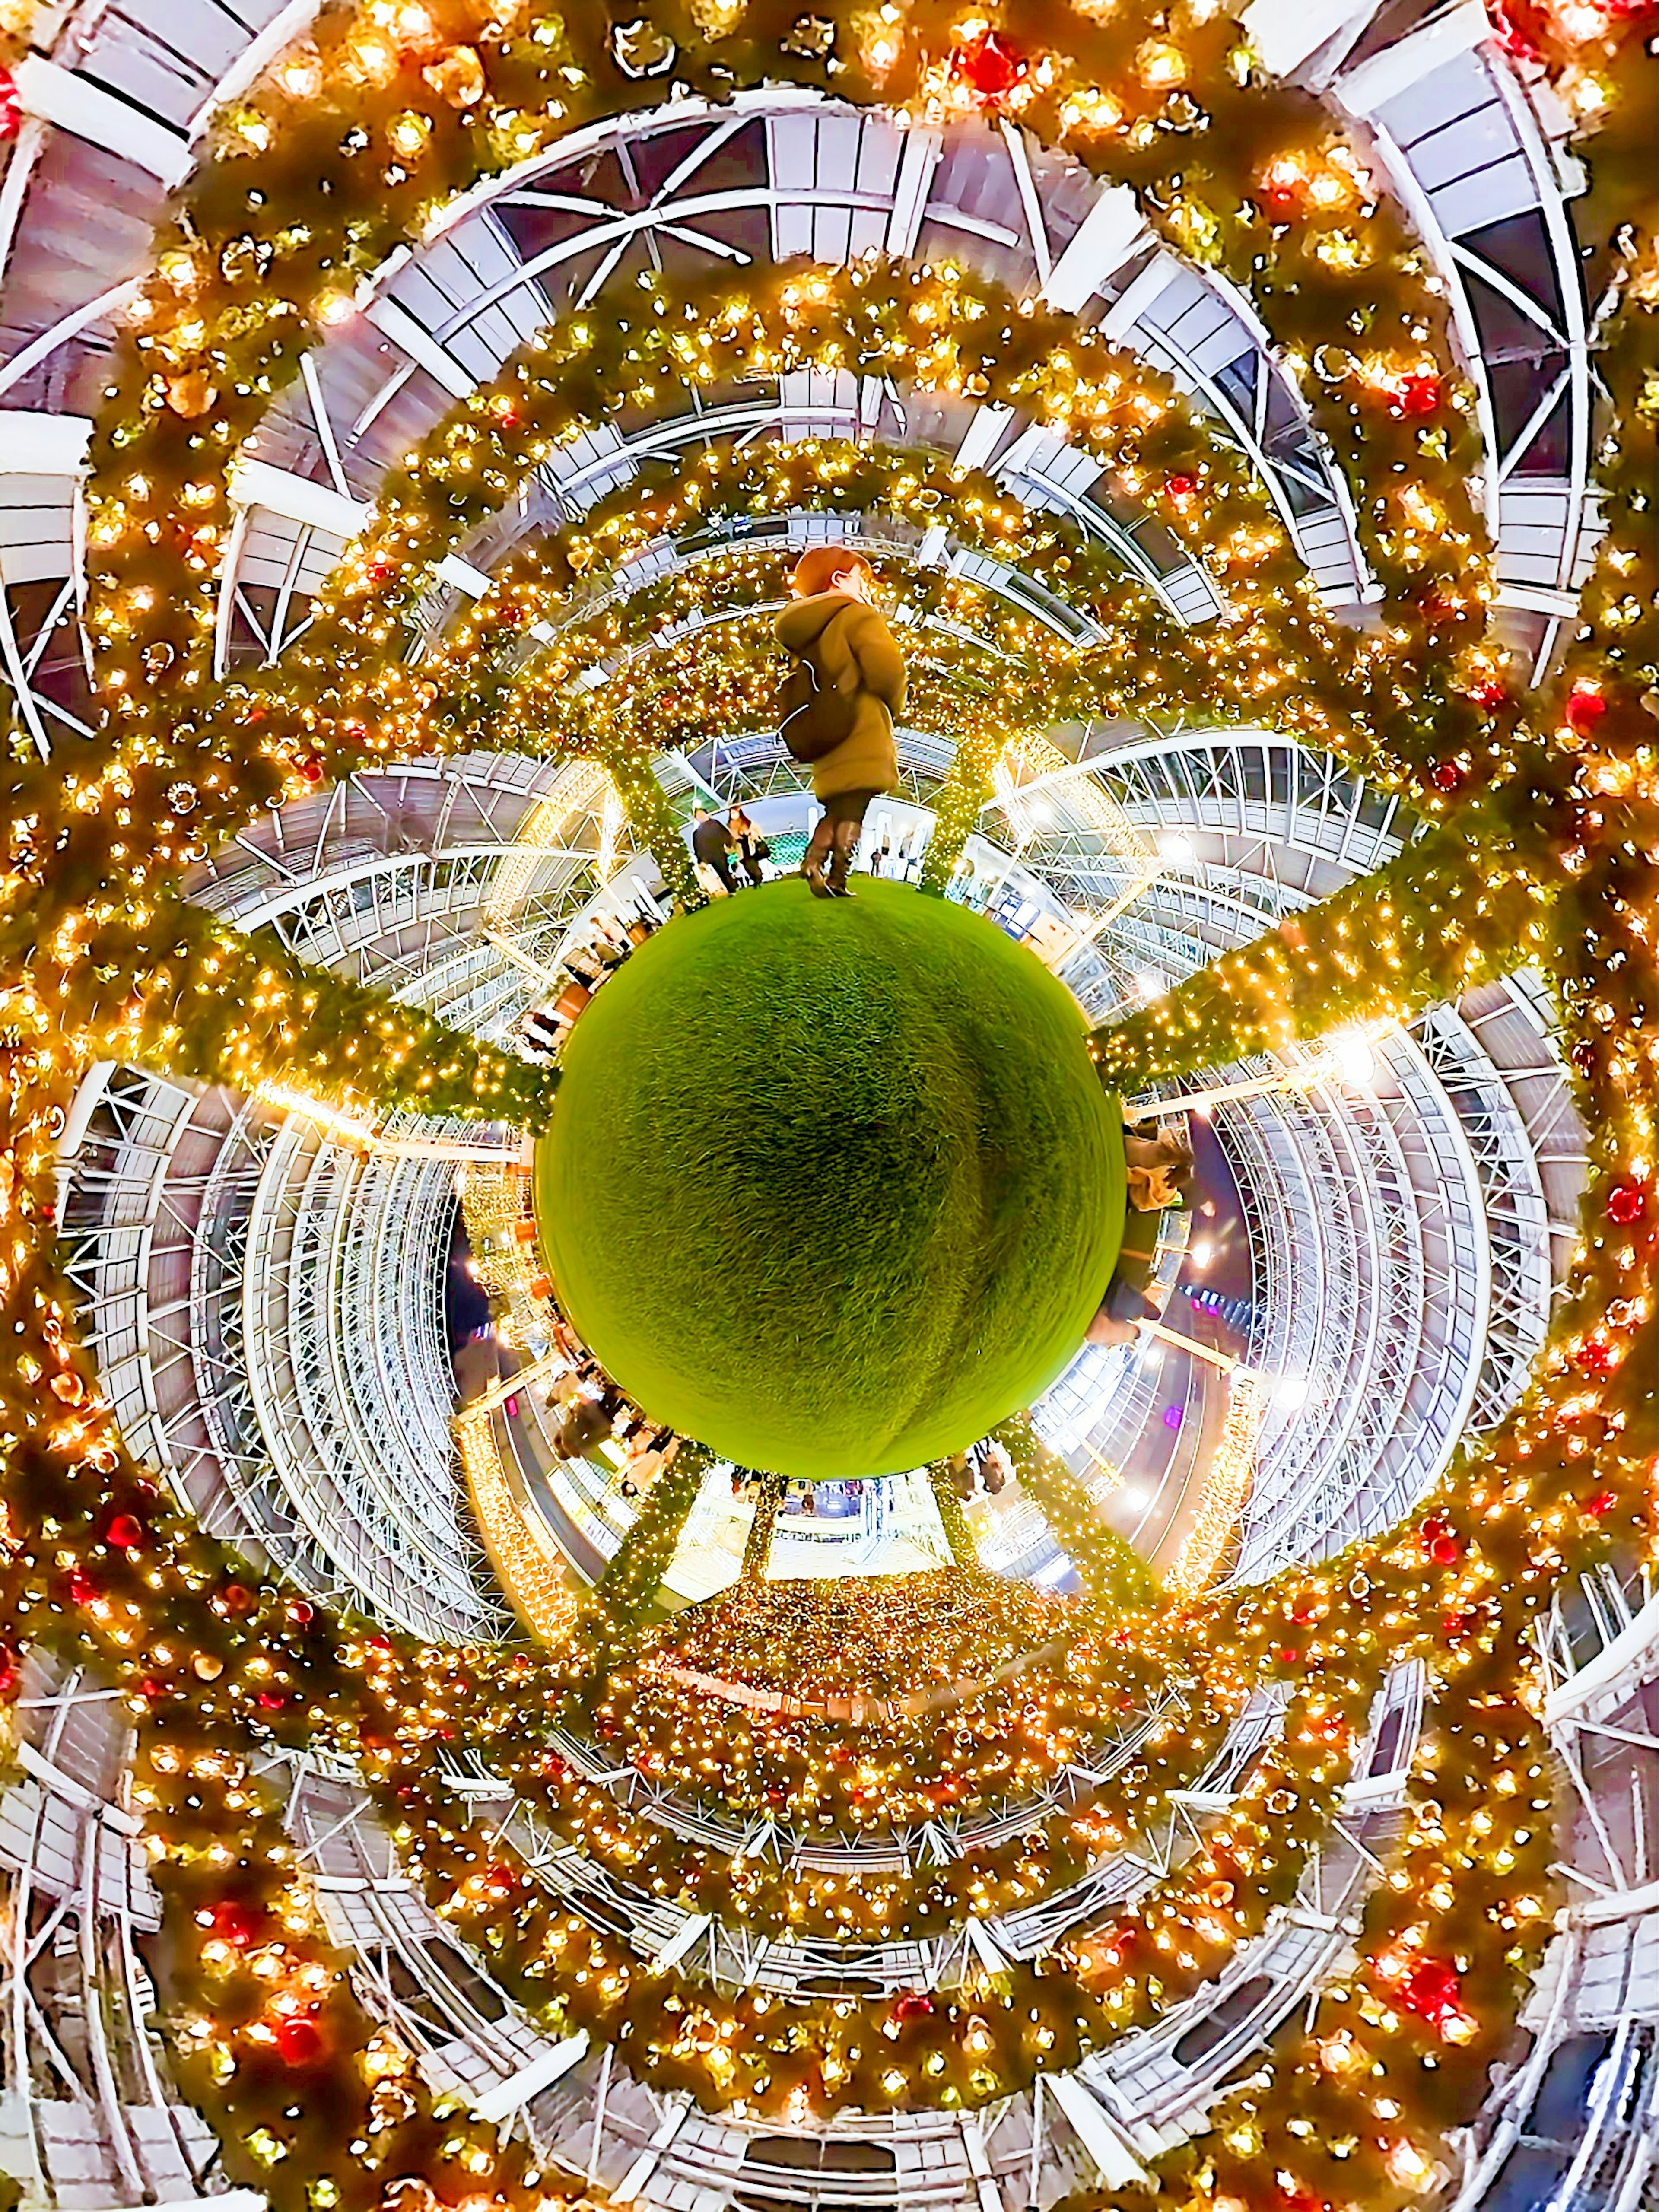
(711, 845)
(611, 944)
(1120, 1311)
(584, 963)
(840, 698)
(751, 848)
(585, 1423)
(1158, 1169)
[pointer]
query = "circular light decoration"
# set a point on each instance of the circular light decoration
(831, 1185)
(1558, 822)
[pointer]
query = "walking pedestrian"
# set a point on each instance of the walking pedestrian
(840, 700)
(711, 844)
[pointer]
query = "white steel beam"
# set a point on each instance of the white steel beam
(85, 110)
(1107, 236)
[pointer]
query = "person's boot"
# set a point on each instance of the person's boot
(847, 843)
(818, 852)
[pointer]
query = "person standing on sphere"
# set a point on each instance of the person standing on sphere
(840, 700)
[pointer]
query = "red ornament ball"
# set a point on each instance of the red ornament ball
(1181, 487)
(126, 1532)
(1627, 1203)
(990, 69)
(1585, 707)
(238, 1923)
(913, 2004)
(1448, 776)
(301, 2042)
(1417, 394)
(1433, 1991)
(1439, 1540)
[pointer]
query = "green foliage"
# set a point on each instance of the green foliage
(1454, 911)
(190, 994)
(958, 1537)
(966, 792)
(626, 1592)
(652, 822)
(831, 1185)
(1111, 1571)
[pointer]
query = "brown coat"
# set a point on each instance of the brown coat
(840, 636)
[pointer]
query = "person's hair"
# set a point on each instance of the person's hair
(819, 567)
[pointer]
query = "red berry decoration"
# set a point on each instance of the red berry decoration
(1182, 487)
(237, 1598)
(1585, 707)
(1599, 1506)
(1490, 694)
(1417, 394)
(1627, 1203)
(126, 1532)
(1448, 776)
(301, 2042)
(309, 767)
(913, 2004)
(270, 1701)
(1594, 1356)
(990, 69)
(81, 1588)
(301, 1612)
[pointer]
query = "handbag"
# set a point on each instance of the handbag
(817, 716)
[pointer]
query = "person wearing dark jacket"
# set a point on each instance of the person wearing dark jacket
(844, 729)
(711, 843)
(750, 848)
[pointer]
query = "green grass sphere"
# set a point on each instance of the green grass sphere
(831, 1187)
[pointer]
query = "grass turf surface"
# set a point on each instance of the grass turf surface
(832, 1188)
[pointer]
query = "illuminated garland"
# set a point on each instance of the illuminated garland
(1110, 1569)
(1451, 912)
(1335, 688)
(1249, 177)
